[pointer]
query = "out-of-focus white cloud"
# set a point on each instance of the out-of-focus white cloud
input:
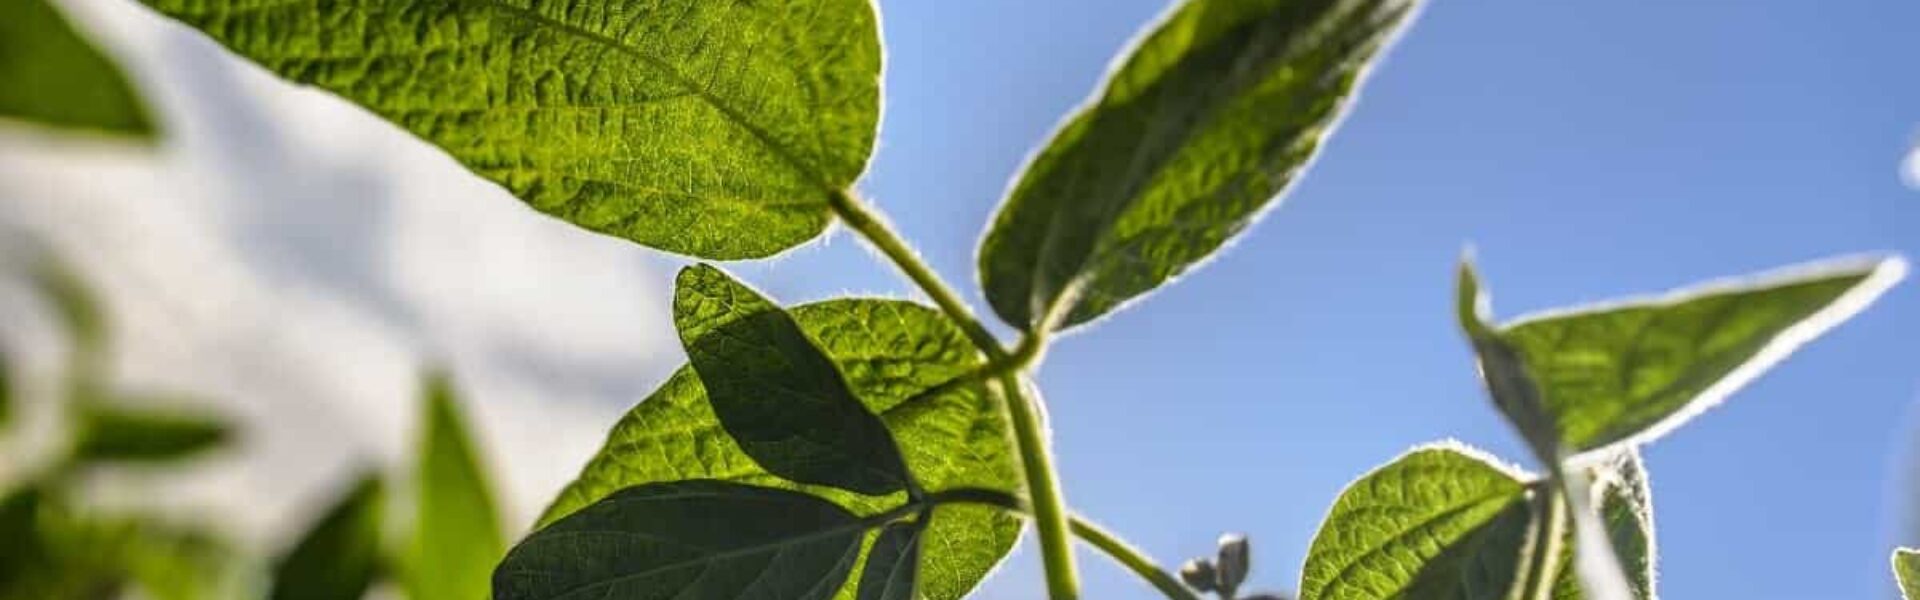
(1910, 168)
(299, 262)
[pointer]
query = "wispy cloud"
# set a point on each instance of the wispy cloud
(1910, 168)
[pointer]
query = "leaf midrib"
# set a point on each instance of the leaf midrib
(1428, 521)
(1069, 293)
(660, 65)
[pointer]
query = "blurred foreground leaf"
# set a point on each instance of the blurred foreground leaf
(51, 75)
(457, 539)
(339, 557)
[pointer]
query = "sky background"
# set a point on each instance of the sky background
(297, 261)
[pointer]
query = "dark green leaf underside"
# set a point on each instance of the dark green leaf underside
(1208, 120)
(338, 558)
(457, 537)
(715, 129)
(893, 564)
(776, 393)
(54, 77)
(688, 539)
(888, 350)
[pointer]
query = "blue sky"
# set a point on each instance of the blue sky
(1587, 150)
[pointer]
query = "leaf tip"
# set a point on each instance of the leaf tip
(1471, 306)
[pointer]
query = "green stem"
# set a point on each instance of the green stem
(869, 224)
(1114, 547)
(1547, 535)
(1133, 559)
(1049, 506)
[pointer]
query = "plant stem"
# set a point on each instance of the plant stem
(1036, 461)
(1133, 559)
(1547, 533)
(1049, 506)
(869, 224)
(1114, 547)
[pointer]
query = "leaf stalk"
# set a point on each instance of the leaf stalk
(1024, 414)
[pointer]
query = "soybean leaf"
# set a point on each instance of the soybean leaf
(457, 538)
(1438, 522)
(125, 434)
(893, 564)
(171, 563)
(339, 557)
(22, 556)
(1906, 569)
(55, 550)
(55, 77)
(890, 351)
(1625, 503)
(777, 394)
(1208, 120)
(688, 539)
(1628, 371)
(716, 129)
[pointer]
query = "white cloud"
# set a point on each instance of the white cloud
(298, 262)
(1910, 168)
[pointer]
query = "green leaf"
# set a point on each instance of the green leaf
(169, 563)
(688, 539)
(1504, 371)
(457, 538)
(1628, 371)
(1438, 522)
(890, 351)
(55, 550)
(1906, 569)
(124, 434)
(777, 394)
(1625, 502)
(716, 129)
(1209, 119)
(55, 77)
(893, 564)
(339, 557)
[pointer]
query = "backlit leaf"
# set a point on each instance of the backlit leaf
(53, 76)
(1437, 523)
(688, 539)
(1210, 118)
(889, 351)
(1625, 502)
(716, 129)
(1631, 370)
(777, 394)
(1906, 569)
